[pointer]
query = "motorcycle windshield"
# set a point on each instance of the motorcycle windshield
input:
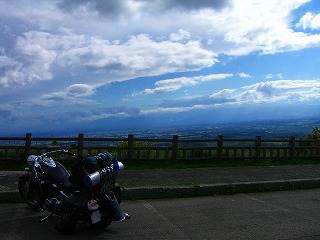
(48, 161)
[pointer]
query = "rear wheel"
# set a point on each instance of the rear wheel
(102, 224)
(29, 195)
(67, 224)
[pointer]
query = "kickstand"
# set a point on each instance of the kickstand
(46, 217)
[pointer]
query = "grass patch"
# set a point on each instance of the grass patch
(141, 165)
(11, 165)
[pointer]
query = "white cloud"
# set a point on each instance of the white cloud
(71, 47)
(78, 90)
(273, 91)
(224, 94)
(244, 75)
(174, 109)
(290, 91)
(30, 61)
(270, 75)
(233, 27)
(74, 91)
(74, 94)
(109, 112)
(251, 25)
(171, 85)
(213, 77)
(181, 35)
(141, 56)
(36, 52)
(309, 20)
(175, 84)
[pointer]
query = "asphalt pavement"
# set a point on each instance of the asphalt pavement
(170, 183)
(280, 215)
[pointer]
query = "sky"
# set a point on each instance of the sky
(92, 65)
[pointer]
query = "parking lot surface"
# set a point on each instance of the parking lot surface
(271, 215)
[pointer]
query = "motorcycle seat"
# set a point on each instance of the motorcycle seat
(67, 185)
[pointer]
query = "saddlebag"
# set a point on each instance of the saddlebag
(88, 165)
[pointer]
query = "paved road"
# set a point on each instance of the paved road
(273, 215)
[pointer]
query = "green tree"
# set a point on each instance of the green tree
(54, 143)
(313, 139)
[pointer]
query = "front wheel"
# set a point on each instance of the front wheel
(29, 194)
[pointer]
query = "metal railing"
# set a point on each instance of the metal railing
(174, 149)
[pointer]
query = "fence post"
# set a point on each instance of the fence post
(220, 147)
(80, 144)
(258, 147)
(175, 147)
(27, 145)
(292, 145)
(130, 146)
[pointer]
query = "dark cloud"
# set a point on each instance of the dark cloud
(192, 4)
(112, 7)
(5, 111)
(117, 7)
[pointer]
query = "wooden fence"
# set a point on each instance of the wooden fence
(173, 149)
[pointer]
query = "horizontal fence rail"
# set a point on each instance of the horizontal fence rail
(173, 149)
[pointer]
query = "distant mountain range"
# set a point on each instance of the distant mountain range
(197, 125)
(250, 129)
(241, 121)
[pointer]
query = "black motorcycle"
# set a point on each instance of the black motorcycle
(89, 193)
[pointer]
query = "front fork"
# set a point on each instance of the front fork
(34, 183)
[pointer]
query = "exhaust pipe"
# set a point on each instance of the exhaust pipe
(104, 174)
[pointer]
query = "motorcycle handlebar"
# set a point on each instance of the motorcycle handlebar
(39, 158)
(57, 151)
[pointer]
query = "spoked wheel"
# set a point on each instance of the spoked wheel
(29, 195)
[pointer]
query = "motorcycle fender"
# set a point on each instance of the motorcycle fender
(110, 206)
(25, 175)
(117, 192)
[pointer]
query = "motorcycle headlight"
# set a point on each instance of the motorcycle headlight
(31, 160)
(121, 166)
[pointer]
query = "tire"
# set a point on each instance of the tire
(29, 196)
(102, 224)
(67, 225)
